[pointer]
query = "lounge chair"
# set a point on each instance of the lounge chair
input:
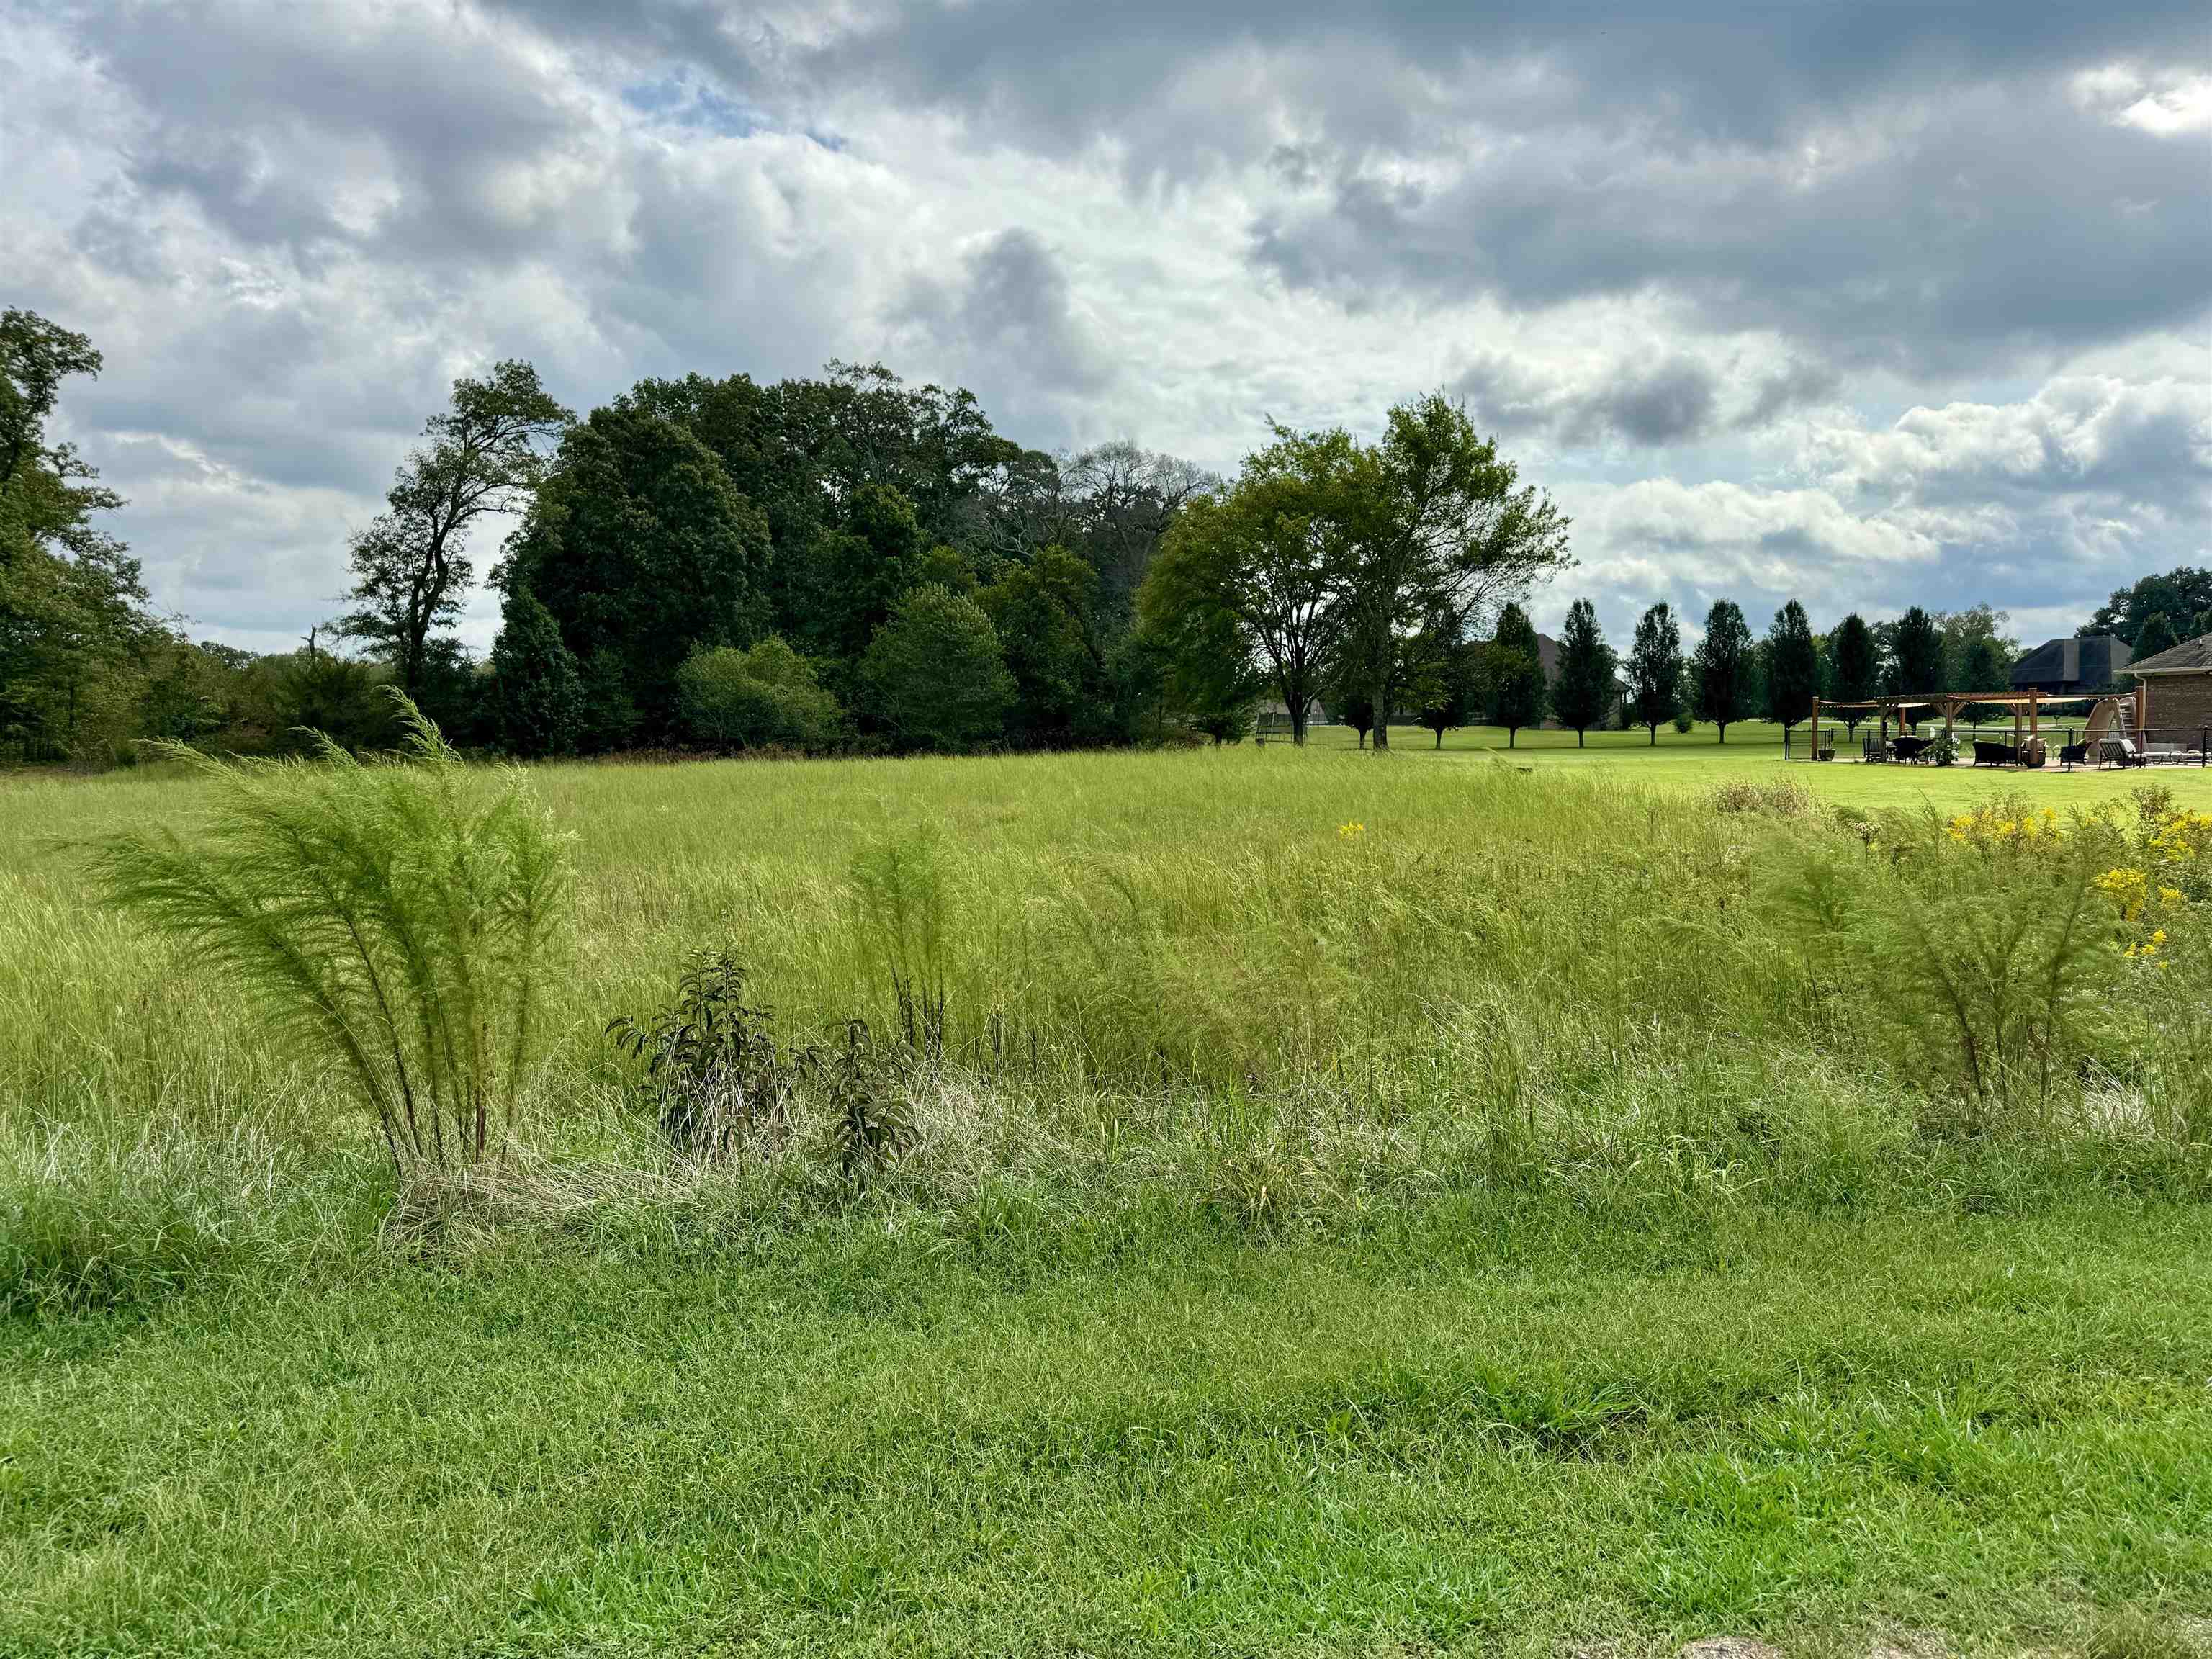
(2120, 752)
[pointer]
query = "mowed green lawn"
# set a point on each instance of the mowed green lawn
(1968, 1410)
(1462, 1435)
(1697, 759)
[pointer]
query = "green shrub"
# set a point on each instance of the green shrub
(750, 699)
(399, 917)
(936, 674)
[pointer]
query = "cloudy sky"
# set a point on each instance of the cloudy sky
(1880, 304)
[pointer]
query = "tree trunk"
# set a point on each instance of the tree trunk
(1723, 726)
(1581, 742)
(1654, 737)
(1382, 712)
(1440, 737)
(1512, 737)
(1299, 725)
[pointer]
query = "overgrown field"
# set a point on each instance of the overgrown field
(1437, 1202)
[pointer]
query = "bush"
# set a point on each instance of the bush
(769, 694)
(396, 917)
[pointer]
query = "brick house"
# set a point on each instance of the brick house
(2177, 684)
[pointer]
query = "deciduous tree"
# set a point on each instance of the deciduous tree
(484, 453)
(1857, 664)
(1793, 667)
(1586, 692)
(1724, 669)
(1513, 675)
(642, 549)
(1654, 670)
(535, 689)
(935, 673)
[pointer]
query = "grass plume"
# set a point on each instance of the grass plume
(398, 915)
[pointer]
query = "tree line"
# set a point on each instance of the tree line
(854, 563)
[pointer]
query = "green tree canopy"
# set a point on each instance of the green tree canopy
(1432, 520)
(1725, 668)
(640, 548)
(767, 694)
(1585, 693)
(1041, 610)
(1919, 653)
(485, 451)
(75, 636)
(535, 689)
(935, 674)
(2182, 592)
(1514, 692)
(2156, 634)
(1855, 663)
(1442, 674)
(1654, 670)
(1793, 666)
(1261, 556)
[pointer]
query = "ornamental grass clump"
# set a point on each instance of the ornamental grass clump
(401, 916)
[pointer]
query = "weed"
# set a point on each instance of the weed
(716, 1080)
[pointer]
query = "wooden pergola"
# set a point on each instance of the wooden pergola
(2026, 707)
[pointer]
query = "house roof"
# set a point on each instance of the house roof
(2190, 657)
(2079, 661)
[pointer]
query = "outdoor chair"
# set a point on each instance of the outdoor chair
(1907, 748)
(1995, 754)
(2072, 755)
(2121, 751)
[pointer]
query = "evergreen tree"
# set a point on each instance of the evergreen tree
(1857, 664)
(1654, 670)
(1585, 693)
(1513, 675)
(1793, 667)
(534, 680)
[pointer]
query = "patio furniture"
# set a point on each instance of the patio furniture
(1906, 747)
(1995, 754)
(2120, 752)
(2072, 755)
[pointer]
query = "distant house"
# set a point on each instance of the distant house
(2177, 684)
(2070, 668)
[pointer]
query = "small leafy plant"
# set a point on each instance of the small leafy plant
(715, 1078)
(869, 1124)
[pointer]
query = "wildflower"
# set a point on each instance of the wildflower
(1350, 831)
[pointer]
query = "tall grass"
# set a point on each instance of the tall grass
(398, 916)
(1169, 979)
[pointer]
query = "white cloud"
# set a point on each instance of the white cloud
(1688, 269)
